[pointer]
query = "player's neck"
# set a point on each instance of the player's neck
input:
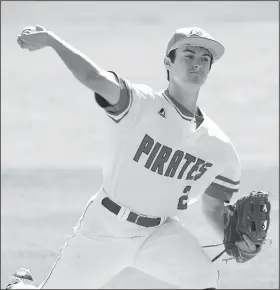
(186, 97)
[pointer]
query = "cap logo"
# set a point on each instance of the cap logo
(196, 32)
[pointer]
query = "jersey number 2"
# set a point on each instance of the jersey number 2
(183, 200)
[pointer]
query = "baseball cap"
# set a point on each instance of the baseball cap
(195, 36)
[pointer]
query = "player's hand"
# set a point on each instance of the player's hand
(247, 245)
(34, 38)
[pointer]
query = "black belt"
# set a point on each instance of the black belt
(132, 217)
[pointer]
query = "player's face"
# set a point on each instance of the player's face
(191, 66)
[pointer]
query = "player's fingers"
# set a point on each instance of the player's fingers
(20, 42)
(28, 28)
(21, 38)
(23, 44)
(25, 36)
(27, 31)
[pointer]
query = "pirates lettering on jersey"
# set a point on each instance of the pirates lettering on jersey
(164, 161)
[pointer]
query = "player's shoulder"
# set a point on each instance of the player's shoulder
(147, 93)
(141, 90)
(147, 90)
(215, 131)
(224, 143)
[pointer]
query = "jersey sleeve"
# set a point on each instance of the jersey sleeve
(227, 182)
(134, 101)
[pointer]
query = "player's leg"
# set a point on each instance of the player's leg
(99, 249)
(174, 256)
(86, 263)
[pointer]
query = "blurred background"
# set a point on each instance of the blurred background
(53, 134)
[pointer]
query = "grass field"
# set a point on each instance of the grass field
(52, 133)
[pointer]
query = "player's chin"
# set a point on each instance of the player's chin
(195, 82)
(196, 79)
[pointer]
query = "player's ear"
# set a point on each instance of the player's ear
(167, 62)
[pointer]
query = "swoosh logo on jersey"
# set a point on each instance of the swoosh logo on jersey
(162, 112)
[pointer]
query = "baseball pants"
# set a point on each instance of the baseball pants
(102, 245)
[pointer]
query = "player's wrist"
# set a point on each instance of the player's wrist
(51, 39)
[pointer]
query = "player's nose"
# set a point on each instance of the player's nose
(197, 66)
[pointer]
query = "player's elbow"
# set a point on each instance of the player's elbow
(105, 84)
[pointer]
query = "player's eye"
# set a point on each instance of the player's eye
(205, 59)
(189, 56)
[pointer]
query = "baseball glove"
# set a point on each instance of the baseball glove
(250, 216)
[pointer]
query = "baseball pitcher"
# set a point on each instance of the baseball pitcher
(165, 153)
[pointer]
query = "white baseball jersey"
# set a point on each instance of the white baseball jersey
(161, 157)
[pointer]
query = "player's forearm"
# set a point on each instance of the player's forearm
(79, 64)
(213, 210)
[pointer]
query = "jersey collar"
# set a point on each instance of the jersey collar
(184, 112)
